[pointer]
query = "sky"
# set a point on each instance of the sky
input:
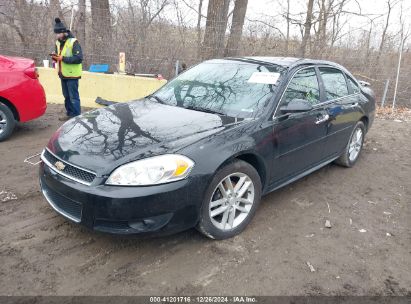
(269, 11)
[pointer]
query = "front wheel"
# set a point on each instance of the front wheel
(230, 201)
(7, 122)
(353, 149)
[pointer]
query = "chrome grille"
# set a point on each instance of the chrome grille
(69, 170)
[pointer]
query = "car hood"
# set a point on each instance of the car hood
(103, 139)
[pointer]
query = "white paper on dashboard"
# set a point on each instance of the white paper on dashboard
(264, 77)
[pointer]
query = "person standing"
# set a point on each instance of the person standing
(68, 57)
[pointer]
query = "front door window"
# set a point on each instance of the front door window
(304, 85)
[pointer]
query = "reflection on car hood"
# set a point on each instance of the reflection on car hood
(103, 139)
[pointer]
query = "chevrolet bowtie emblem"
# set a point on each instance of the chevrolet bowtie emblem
(59, 165)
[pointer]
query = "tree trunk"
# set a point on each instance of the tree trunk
(317, 41)
(384, 33)
(101, 29)
(236, 31)
(307, 27)
(56, 10)
(81, 25)
(23, 15)
(200, 6)
(287, 42)
(323, 33)
(213, 44)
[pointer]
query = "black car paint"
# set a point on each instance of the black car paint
(98, 139)
(282, 148)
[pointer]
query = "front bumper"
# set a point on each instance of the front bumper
(159, 209)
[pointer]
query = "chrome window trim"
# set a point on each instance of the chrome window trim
(346, 76)
(347, 73)
(333, 100)
(62, 173)
(58, 210)
(320, 103)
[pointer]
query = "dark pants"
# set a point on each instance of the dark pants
(71, 96)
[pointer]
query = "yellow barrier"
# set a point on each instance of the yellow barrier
(114, 87)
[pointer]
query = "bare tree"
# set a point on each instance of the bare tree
(11, 14)
(101, 26)
(307, 27)
(56, 11)
(154, 37)
(200, 6)
(213, 44)
(148, 15)
(321, 35)
(287, 41)
(81, 24)
(240, 8)
(390, 5)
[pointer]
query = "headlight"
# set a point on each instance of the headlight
(151, 171)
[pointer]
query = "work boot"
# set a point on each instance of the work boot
(64, 118)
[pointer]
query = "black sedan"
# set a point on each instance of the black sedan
(202, 150)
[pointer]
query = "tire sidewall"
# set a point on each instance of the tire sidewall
(360, 125)
(11, 122)
(205, 225)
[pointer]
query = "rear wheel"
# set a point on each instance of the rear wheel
(7, 122)
(353, 149)
(231, 201)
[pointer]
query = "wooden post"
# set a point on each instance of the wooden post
(177, 67)
(398, 74)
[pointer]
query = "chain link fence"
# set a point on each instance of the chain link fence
(156, 35)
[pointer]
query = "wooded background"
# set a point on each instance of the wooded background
(154, 34)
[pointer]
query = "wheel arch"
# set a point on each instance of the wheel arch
(366, 121)
(12, 108)
(254, 160)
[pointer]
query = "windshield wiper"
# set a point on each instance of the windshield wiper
(206, 110)
(158, 99)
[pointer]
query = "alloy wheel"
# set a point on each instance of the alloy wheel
(3, 122)
(355, 144)
(231, 201)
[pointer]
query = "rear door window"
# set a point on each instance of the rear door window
(334, 83)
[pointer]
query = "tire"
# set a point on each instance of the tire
(345, 160)
(7, 122)
(212, 225)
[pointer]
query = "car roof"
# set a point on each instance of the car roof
(284, 61)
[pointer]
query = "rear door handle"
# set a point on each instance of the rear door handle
(322, 118)
(354, 105)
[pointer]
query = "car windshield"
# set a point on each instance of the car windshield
(233, 88)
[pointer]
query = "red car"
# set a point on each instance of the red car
(22, 97)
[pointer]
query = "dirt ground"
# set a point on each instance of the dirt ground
(41, 253)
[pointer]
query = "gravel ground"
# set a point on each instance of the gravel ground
(367, 250)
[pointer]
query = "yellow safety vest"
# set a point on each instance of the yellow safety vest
(70, 70)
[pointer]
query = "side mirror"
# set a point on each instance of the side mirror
(364, 83)
(297, 105)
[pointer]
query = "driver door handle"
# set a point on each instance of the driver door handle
(322, 118)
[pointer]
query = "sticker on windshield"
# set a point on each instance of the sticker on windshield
(264, 77)
(247, 110)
